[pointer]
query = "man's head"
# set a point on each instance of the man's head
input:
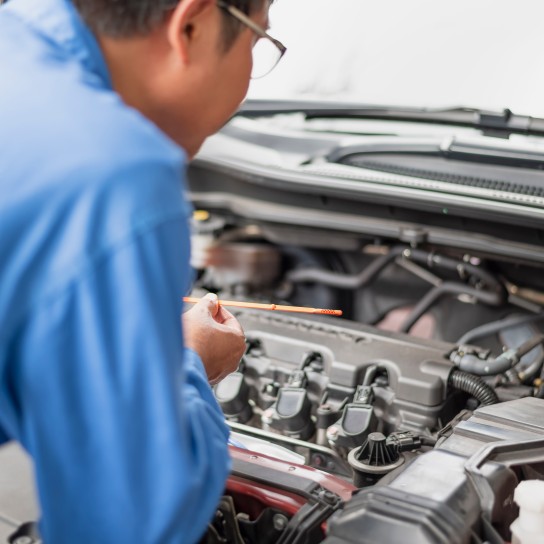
(185, 64)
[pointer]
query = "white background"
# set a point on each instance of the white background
(435, 53)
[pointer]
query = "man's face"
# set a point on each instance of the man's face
(219, 80)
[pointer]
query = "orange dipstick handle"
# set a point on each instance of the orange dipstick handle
(257, 306)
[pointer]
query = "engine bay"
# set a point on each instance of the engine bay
(426, 397)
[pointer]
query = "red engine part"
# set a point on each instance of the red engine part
(258, 482)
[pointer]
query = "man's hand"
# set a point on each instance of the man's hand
(215, 334)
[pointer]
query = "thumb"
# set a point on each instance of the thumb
(211, 303)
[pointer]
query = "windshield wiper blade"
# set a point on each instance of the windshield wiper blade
(492, 123)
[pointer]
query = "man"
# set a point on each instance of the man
(128, 442)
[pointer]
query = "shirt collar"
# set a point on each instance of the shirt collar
(59, 21)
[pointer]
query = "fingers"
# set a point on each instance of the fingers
(222, 348)
(216, 335)
(224, 317)
(204, 311)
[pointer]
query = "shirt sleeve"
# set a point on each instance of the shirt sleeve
(128, 441)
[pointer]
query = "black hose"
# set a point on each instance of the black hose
(530, 372)
(473, 385)
(497, 326)
(356, 281)
(492, 298)
(324, 298)
(463, 268)
(494, 295)
(346, 281)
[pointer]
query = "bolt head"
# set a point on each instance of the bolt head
(280, 522)
(327, 496)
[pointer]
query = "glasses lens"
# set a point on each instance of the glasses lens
(265, 57)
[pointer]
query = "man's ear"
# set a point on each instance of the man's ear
(188, 23)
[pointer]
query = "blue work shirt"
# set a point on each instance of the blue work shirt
(128, 442)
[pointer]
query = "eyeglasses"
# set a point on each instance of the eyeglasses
(267, 51)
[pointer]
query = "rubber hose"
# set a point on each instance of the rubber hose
(439, 261)
(530, 372)
(473, 385)
(496, 326)
(363, 278)
(492, 298)
(346, 281)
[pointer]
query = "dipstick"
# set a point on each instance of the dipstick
(277, 307)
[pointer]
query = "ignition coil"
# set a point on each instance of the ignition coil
(292, 412)
(357, 422)
(233, 396)
(358, 418)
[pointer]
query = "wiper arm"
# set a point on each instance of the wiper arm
(500, 124)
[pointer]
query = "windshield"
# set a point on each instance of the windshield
(485, 54)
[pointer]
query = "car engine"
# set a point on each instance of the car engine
(414, 416)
